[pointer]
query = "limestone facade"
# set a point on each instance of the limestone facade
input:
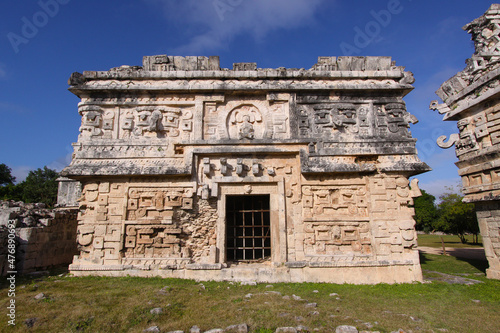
(472, 98)
(194, 171)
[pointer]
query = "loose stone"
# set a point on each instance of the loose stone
(240, 328)
(30, 322)
(40, 296)
(195, 329)
(156, 311)
(286, 330)
(346, 329)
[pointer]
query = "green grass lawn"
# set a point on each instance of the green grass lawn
(100, 304)
(449, 241)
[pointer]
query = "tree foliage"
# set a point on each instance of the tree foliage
(426, 212)
(39, 186)
(451, 215)
(457, 217)
(6, 177)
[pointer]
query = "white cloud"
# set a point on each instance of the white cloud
(61, 162)
(214, 23)
(9, 107)
(20, 172)
(441, 186)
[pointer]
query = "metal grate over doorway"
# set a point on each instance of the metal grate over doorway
(248, 228)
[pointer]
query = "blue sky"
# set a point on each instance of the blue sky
(43, 42)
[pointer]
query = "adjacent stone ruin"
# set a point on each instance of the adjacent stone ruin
(44, 238)
(190, 170)
(472, 98)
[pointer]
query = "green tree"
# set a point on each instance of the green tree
(426, 212)
(40, 186)
(11, 192)
(8, 191)
(457, 217)
(6, 177)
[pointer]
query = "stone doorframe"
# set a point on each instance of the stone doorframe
(276, 192)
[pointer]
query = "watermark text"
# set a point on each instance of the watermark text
(31, 26)
(11, 273)
(224, 6)
(366, 35)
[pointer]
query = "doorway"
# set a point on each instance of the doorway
(248, 228)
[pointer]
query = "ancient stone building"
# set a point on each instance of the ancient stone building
(472, 98)
(194, 171)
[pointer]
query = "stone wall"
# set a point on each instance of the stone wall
(164, 147)
(44, 237)
(68, 192)
(472, 98)
(488, 217)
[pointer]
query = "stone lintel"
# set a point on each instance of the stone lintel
(478, 163)
(255, 74)
(467, 101)
(113, 169)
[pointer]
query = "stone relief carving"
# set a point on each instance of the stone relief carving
(157, 204)
(91, 121)
(486, 36)
(153, 241)
(320, 201)
(474, 134)
(332, 120)
(347, 117)
(398, 119)
(159, 122)
(245, 122)
(144, 121)
(247, 119)
(337, 238)
(440, 108)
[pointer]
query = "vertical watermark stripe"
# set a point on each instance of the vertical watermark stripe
(11, 273)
